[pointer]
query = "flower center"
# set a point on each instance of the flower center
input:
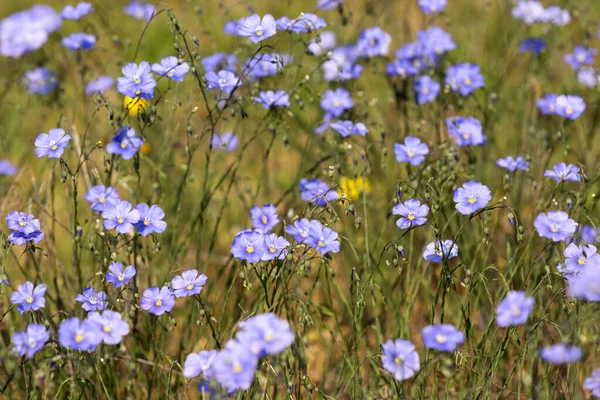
(93, 300)
(32, 343)
(121, 278)
(146, 221)
(190, 286)
(259, 31)
(425, 90)
(106, 328)
(158, 303)
(268, 336)
(410, 154)
(466, 135)
(304, 234)
(336, 103)
(468, 81)
(569, 110)
(264, 220)
(137, 92)
(397, 360)
(410, 217)
(554, 229)
(581, 261)
(321, 243)
(472, 199)
(120, 220)
(137, 80)
(53, 145)
(222, 82)
(101, 200)
(79, 338)
(272, 249)
(22, 223)
(170, 74)
(29, 299)
(250, 249)
(440, 338)
(516, 312)
(237, 367)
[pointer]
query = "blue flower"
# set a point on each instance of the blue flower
(413, 151)
(529, 11)
(257, 29)
(400, 359)
(328, 4)
(374, 42)
(6, 168)
(464, 78)
(220, 61)
(316, 191)
(438, 250)
(264, 218)
(426, 89)
(112, 324)
(171, 68)
(275, 247)
(402, 67)
(139, 10)
(27, 30)
(40, 81)
(555, 225)
(433, 43)
(563, 172)
(300, 229)
(188, 283)
(514, 309)
(248, 245)
(270, 99)
(556, 16)
(512, 164)
(227, 142)
(119, 277)
(157, 301)
(224, 80)
(432, 6)
(592, 383)
(341, 64)
(76, 12)
(125, 143)
(199, 363)
(579, 257)
(52, 144)
(25, 228)
(30, 341)
(29, 298)
(265, 334)
(99, 85)
(234, 366)
(589, 234)
(547, 104)
(92, 301)
(348, 128)
(580, 57)
(442, 337)
(413, 213)
(533, 45)
(472, 196)
(80, 335)
(121, 216)
(265, 64)
(305, 23)
(466, 131)
(335, 102)
(101, 197)
(561, 353)
(79, 41)
(588, 77)
(150, 219)
(569, 106)
(586, 284)
(324, 42)
(323, 239)
(231, 28)
(137, 81)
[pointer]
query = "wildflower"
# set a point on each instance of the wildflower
(578, 257)
(171, 68)
(586, 284)
(570, 107)
(347, 128)
(335, 102)
(227, 141)
(432, 6)
(26, 228)
(400, 359)
(412, 151)
(533, 45)
(234, 366)
(514, 309)
(79, 41)
(323, 239)
(40, 81)
(547, 104)
(92, 301)
(150, 219)
(587, 76)
(589, 234)
(464, 78)
(434, 42)
(413, 213)
(561, 353)
(466, 131)
(80, 335)
(139, 10)
(133, 105)
(300, 229)
(341, 64)
(6, 168)
(99, 85)
(224, 80)
(121, 217)
(275, 247)
(354, 188)
(563, 172)
(401, 68)
(76, 12)
(324, 42)
(119, 277)
(158, 301)
(199, 363)
(220, 61)
(188, 283)
(30, 341)
(52, 144)
(125, 143)
(328, 4)
(374, 42)
(248, 245)
(305, 23)
(580, 57)
(231, 28)
(442, 337)
(592, 383)
(262, 65)
(529, 11)
(27, 30)
(257, 29)
(137, 81)
(426, 89)
(264, 218)
(555, 225)
(472, 196)
(112, 324)
(556, 16)
(317, 192)
(512, 164)
(271, 99)
(29, 298)
(438, 250)
(100, 197)
(265, 334)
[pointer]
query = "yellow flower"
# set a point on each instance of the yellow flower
(354, 187)
(146, 148)
(135, 105)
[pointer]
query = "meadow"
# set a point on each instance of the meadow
(368, 199)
